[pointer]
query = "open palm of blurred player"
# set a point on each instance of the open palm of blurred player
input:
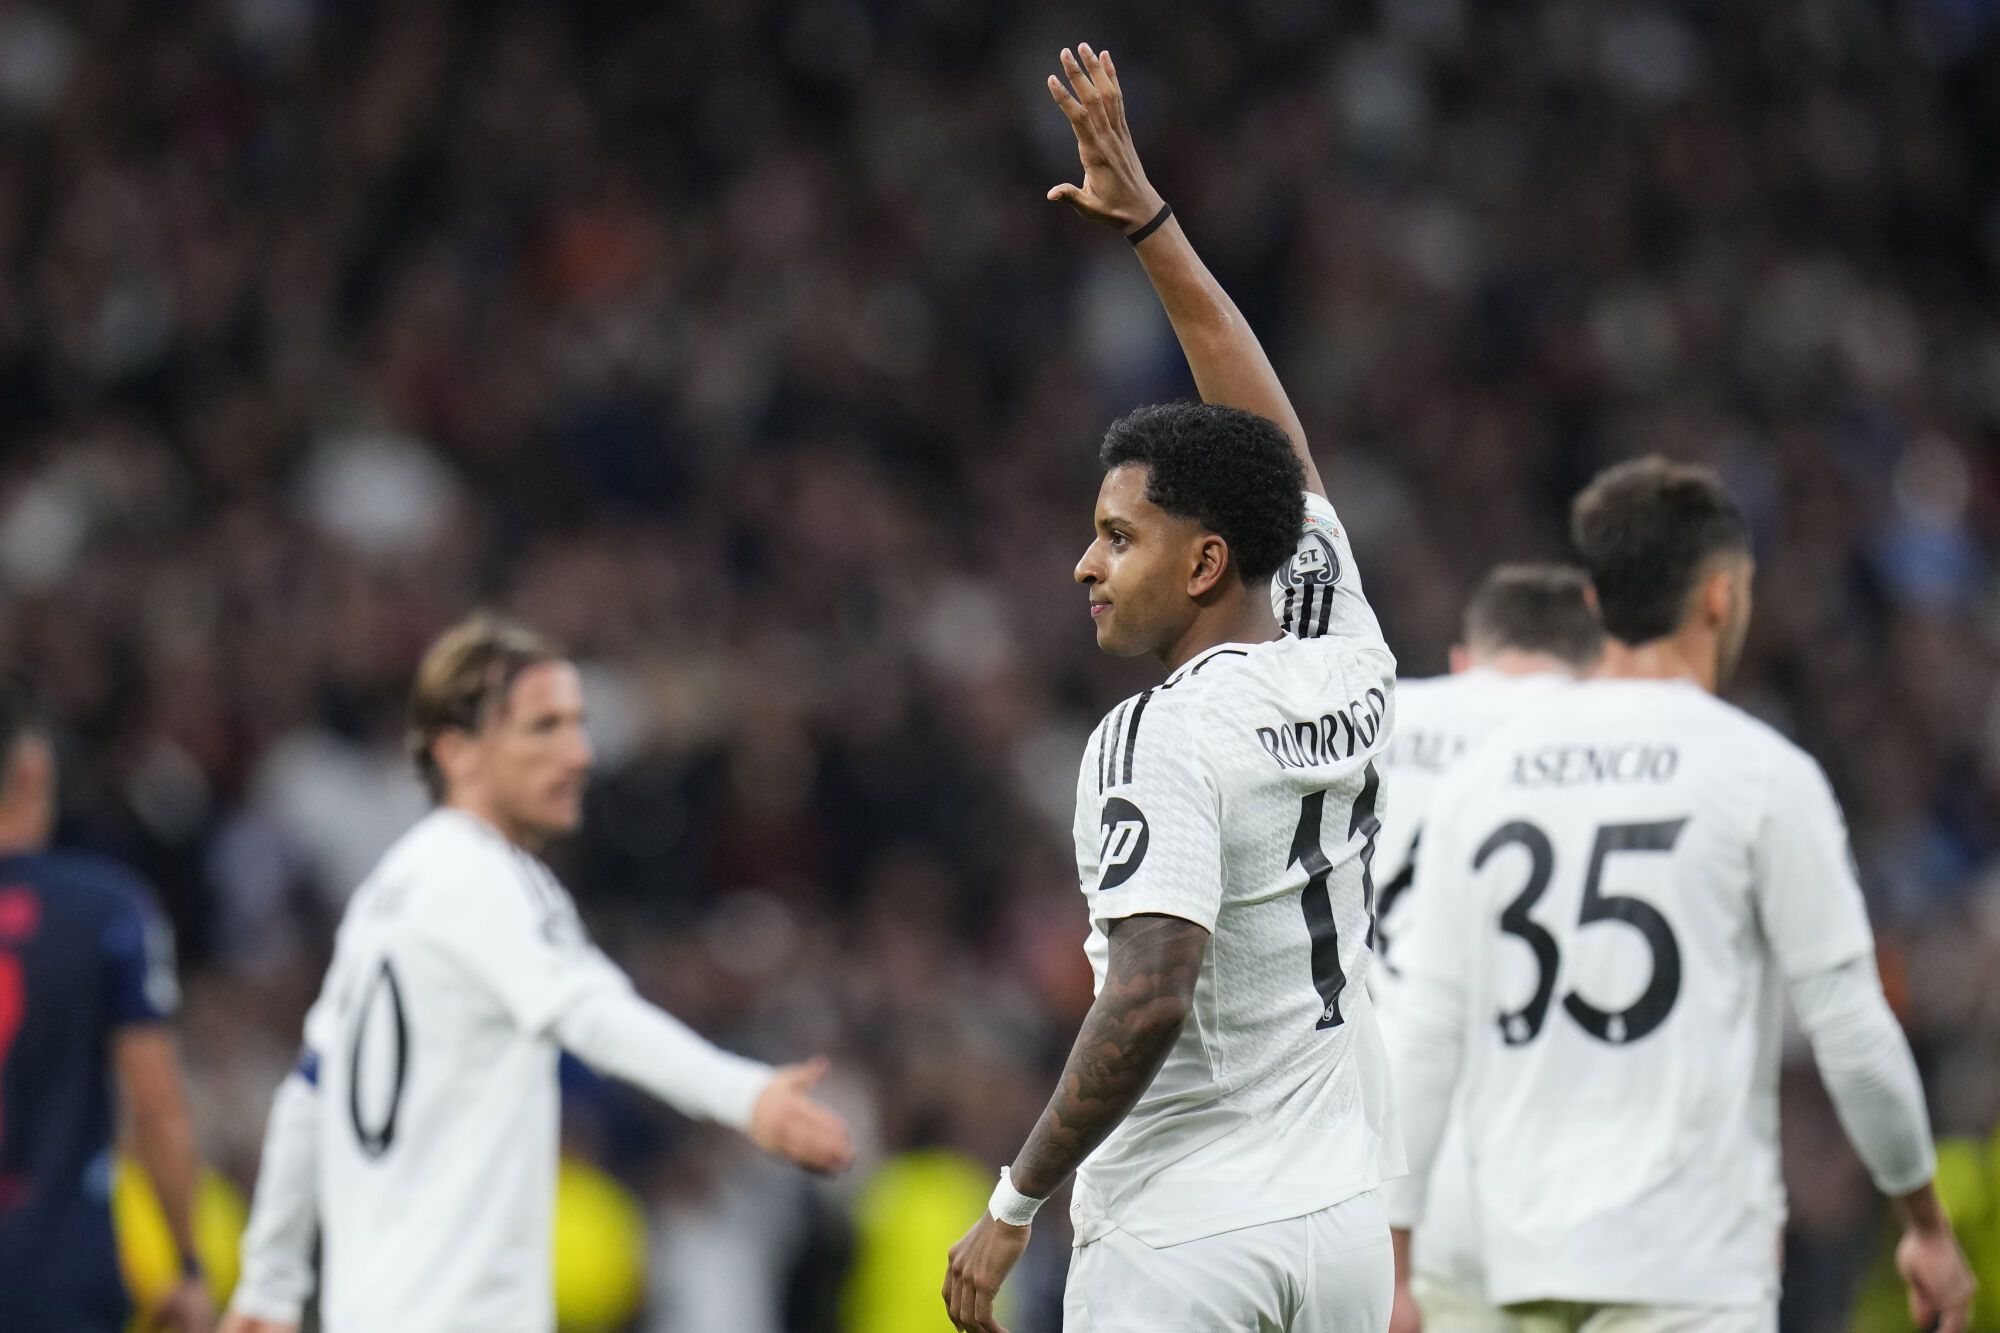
(1224, 1108)
(419, 1136)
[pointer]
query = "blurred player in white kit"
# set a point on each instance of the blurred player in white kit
(1529, 631)
(418, 1137)
(1615, 894)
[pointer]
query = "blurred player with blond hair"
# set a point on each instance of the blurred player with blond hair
(419, 1135)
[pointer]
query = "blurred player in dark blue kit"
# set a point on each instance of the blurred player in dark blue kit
(86, 990)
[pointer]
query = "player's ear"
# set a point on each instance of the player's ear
(1718, 596)
(455, 754)
(1460, 659)
(1211, 564)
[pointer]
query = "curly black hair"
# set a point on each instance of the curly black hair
(1231, 471)
(1646, 531)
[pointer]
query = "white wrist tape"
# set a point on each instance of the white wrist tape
(1009, 1205)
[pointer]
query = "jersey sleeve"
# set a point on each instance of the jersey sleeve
(277, 1243)
(515, 932)
(1425, 1029)
(1317, 593)
(140, 985)
(1808, 896)
(1159, 821)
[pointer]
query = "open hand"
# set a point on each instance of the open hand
(979, 1263)
(788, 1122)
(1115, 190)
(1941, 1286)
(187, 1309)
(243, 1323)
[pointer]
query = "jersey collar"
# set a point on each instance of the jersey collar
(1195, 664)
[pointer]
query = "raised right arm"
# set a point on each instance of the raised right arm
(1228, 362)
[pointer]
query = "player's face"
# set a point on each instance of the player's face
(534, 755)
(1137, 570)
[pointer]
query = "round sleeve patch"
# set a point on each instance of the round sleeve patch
(1122, 845)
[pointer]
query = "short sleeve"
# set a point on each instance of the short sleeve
(1317, 593)
(138, 946)
(508, 924)
(1159, 821)
(1808, 895)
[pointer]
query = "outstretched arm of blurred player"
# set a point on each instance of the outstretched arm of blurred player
(149, 1078)
(1148, 993)
(1228, 362)
(284, 1213)
(531, 954)
(616, 1032)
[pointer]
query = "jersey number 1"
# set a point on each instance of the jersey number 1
(1329, 978)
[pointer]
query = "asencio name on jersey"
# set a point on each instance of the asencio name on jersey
(1580, 765)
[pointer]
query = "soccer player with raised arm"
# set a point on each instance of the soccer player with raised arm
(87, 998)
(1615, 894)
(419, 1134)
(1529, 632)
(1225, 1107)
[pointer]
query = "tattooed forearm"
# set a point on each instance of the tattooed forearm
(1148, 991)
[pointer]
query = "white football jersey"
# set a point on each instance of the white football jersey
(438, 1105)
(1438, 720)
(1241, 794)
(1613, 892)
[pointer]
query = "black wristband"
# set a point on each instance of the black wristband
(1159, 219)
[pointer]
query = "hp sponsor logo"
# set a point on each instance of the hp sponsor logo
(1123, 845)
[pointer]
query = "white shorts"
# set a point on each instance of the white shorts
(1327, 1272)
(1451, 1309)
(1576, 1317)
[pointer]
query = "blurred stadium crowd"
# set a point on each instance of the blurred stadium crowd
(733, 343)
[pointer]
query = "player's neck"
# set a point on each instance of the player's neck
(483, 811)
(1686, 656)
(1241, 619)
(1518, 662)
